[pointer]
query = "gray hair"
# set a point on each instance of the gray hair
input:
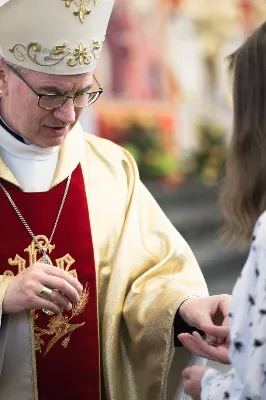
(20, 70)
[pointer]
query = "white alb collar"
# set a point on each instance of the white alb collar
(22, 150)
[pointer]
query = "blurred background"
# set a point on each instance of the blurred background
(167, 100)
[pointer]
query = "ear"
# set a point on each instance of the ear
(3, 78)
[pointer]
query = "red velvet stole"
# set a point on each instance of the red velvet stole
(67, 347)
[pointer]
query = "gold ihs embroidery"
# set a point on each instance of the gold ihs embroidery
(59, 327)
(81, 5)
(64, 263)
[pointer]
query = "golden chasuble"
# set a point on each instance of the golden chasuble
(66, 345)
(144, 269)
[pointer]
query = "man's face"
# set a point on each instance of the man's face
(20, 110)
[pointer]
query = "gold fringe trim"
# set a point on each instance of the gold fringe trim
(33, 358)
(4, 283)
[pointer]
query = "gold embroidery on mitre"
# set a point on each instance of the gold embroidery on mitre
(80, 55)
(55, 56)
(81, 5)
(59, 327)
(83, 55)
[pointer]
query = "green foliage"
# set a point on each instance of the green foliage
(145, 144)
(208, 162)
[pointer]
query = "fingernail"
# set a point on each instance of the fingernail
(70, 307)
(80, 286)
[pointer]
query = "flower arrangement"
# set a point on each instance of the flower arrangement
(148, 138)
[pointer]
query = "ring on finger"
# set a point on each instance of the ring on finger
(46, 293)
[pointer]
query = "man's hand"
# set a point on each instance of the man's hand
(211, 315)
(192, 380)
(23, 291)
(212, 310)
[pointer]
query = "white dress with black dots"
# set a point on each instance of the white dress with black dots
(247, 379)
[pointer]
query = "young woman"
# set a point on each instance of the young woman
(244, 203)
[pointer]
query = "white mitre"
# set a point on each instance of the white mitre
(61, 37)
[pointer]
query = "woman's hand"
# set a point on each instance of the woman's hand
(192, 380)
(216, 347)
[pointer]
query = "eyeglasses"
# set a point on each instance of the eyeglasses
(53, 101)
